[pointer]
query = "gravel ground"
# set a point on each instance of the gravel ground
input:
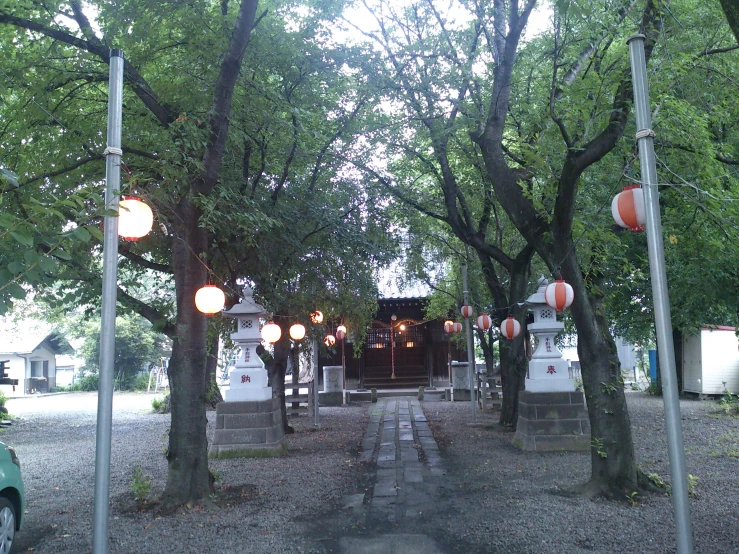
(504, 500)
(57, 452)
(511, 503)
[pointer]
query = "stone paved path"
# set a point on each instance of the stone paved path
(410, 472)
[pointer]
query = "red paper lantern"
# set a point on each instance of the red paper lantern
(341, 332)
(210, 299)
(484, 322)
(559, 295)
(510, 328)
(448, 326)
(628, 208)
(466, 311)
(456, 327)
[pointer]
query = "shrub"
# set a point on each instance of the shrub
(3, 399)
(140, 485)
(159, 404)
(141, 382)
(87, 383)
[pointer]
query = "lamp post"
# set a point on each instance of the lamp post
(341, 335)
(297, 333)
(101, 510)
(316, 318)
(470, 346)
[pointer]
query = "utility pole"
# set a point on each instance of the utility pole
(470, 346)
(662, 317)
(101, 510)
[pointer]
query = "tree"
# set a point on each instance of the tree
(731, 10)
(530, 130)
(224, 154)
(137, 347)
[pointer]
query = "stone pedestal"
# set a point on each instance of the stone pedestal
(248, 430)
(333, 390)
(552, 421)
(460, 381)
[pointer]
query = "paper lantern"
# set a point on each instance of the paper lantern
(558, 295)
(448, 326)
(135, 218)
(484, 322)
(297, 331)
(628, 208)
(456, 327)
(510, 328)
(316, 317)
(271, 332)
(329, 340)
(341, 332)
(466, 311)
(210, 299)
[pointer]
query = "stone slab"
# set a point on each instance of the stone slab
(330, 398)
(247, 394)
(248, 450)
(248, 421)
(267, 405)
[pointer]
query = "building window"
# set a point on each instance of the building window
(37, 368)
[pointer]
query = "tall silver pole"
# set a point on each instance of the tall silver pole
(663, 321)
(314, 354)
(101, 510)
(470, 347)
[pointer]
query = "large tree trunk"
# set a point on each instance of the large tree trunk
(513, 362)
(612, 448)
(731, 10)
(188, 479)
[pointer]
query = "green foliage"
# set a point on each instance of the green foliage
(597, 444)
(141, 382)
(729, 403)
(86, 383)
(653, 389)
(657, 481)
(140, 485)
(159, 404)
(137, 347)
(3, 399)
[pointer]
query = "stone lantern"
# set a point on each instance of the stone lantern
(248, 377)
(548, 371)
(551, 414)
(249, 421)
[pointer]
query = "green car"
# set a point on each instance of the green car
(12, 499)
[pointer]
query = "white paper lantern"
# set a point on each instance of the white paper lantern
(271, 332)
(135, 218)
(210, 299)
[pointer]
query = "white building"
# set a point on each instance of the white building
(711, 361)
(31, 359)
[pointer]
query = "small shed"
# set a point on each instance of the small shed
(32, 360)
(711, 361)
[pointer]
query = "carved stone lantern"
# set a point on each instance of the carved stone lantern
(248, 377)
(548, 372)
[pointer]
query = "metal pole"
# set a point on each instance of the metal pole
(101, 510)
(315, 377)
(470, 347)
(663, 321)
